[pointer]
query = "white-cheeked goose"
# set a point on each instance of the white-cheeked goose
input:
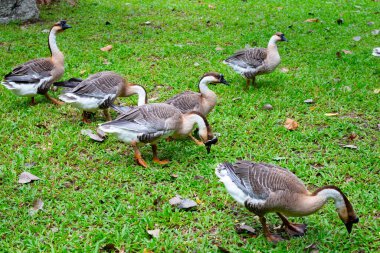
(36, 76)
(151, 122)
(99, 91)
(256, 61)
(264, 188)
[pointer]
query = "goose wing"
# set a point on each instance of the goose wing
(259, 180)
(251, 57)
(149, 121)
(31, 72)
(100, 85)
(186, 101)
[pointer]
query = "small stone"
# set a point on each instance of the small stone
(370, 23)
(309, 101)
(375, 32)
(357, 38)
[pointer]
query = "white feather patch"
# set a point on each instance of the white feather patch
(122, 134)
(89, 104)
(25, 90)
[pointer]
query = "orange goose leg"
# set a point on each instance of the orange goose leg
(155, 157)
(53, 100)
(198, 142)
(270, 237)
(248, 81)
(138, 158)
(85, 117)
(293, 229)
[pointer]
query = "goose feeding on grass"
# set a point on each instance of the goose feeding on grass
(151, 122)
(36, 76)
(99, 91)
(203, 101)
(264, 188)
(251, 62)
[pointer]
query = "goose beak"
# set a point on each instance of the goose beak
(208, 143)
(283, 38)
(66, 26)
(223, 81)
(350, 223)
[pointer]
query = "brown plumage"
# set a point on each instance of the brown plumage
(151, 122)
(264, 188)
(36, 76)
(256, 61)
(99, 91)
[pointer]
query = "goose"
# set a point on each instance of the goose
(99, 91)
(150, 122)
(36, 76)
(264, 188)
(203, 101)
(256, 61)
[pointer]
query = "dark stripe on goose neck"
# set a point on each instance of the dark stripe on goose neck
(350, 210)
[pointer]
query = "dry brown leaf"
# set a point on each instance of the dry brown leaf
(291, 124)
(27, 177)
(331, 114)
(218, 48)
(350, 146)
(311, 20)
(346, 51)
(106, 48)
(147, 251)
(242, 228)
(357, 38)
(37, 205)
(154, 233)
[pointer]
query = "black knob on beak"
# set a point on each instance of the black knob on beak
(208, 143)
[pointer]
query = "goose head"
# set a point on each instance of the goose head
(347, 214)
(61, 26)
(207, 135)
(214, 78)
(278, 36)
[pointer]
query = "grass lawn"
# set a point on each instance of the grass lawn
(94, 194)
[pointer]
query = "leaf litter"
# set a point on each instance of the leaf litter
(27, 177)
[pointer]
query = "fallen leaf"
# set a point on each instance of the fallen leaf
(357, 38)
(311, 20)
(218, 48)
(187, 204)
(350, 146)
(82, 71)
(92, 136)
(110, 247)
(197, 177)
(312, 248)
(309, 101)
(196, 64)
(242, 228)
(154, 233)
(331, 114)
(199, 202)
(27, 177)
(267, 107)
(29, 165)
(376, 51)
(37, 205)
(284, 70)
(106, 48)
(174, 175)
(175, 201)
(237, 98)
(352, 136)
(375, 32)
(291, 124)
(347, 51)
(376, 91)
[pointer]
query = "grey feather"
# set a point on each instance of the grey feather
(251, 57)
(186, 101)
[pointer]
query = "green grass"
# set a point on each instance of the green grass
(94, 194)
